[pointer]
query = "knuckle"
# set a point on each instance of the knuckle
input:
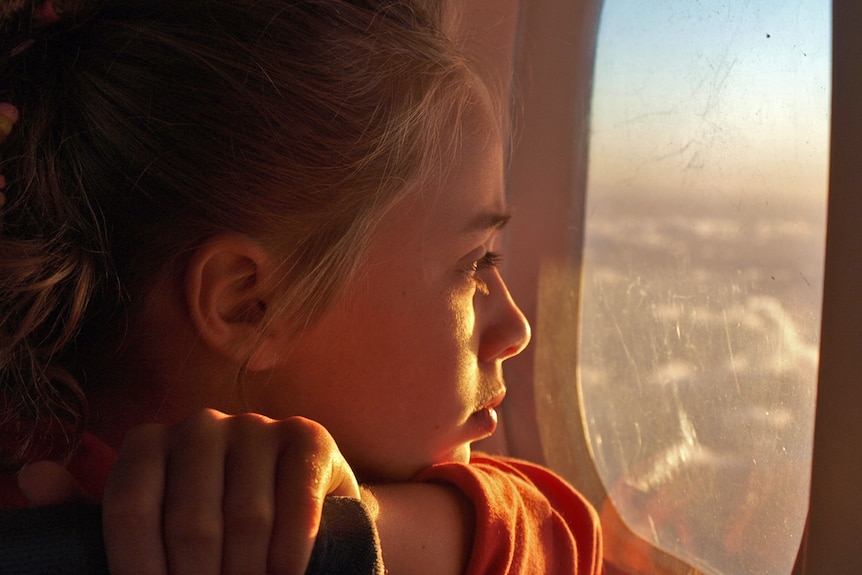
(251, 419)
(250, 424)
(306, 434)
(307, 456)
(202, 427)
(203, 418)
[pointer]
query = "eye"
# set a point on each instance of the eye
(488, 261)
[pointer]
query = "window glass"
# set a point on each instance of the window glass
(702, 280)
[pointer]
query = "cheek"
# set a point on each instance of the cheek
(463, 324)
(464, 338)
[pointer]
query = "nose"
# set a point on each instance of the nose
(506, 331)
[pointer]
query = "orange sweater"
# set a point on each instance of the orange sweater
(528, 520)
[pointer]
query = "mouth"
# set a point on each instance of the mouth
(494, 401)
(484, 420)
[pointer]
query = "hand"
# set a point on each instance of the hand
(220, 494)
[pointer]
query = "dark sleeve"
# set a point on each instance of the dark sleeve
(347, 541)
(68, 539)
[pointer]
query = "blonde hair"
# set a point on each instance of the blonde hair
(147, 126)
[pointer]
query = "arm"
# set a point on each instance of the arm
(243, 494)
(423, 527)
(515, 517)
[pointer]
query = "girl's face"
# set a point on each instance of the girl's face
(404, 369)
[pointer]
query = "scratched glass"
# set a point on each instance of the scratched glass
(702, 281)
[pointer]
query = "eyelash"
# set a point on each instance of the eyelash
(488, 261)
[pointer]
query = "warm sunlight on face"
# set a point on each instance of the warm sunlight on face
(404, 369)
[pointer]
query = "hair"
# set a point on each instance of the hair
(148, 126)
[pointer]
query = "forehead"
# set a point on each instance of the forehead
(469, 198)
(458, 205)
(436, 225)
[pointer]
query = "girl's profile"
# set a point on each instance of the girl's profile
(249, 258)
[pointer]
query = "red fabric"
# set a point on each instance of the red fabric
(89, 464)
(528, 520)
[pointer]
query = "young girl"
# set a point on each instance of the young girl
(214, 208)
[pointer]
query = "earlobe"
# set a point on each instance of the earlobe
(228, 286)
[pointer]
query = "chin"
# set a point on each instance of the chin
(461, 454)
(398, 472)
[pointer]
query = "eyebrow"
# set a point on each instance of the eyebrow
(489, 221)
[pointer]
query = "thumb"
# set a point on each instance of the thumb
(342, 481)
(46, 483)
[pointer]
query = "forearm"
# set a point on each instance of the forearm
(423, 527)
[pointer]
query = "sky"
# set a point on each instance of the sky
(726, 100)
(712, 97)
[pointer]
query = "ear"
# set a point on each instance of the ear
(229, 287)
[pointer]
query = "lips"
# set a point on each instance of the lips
(494, 401)
(484, 420)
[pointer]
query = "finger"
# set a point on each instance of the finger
(342, 481)
(194, 493)
(298, 500)
(249, 499)
(305, 474)
(46, 483)
(132, 504)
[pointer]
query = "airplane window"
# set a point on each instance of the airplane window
(704, 234)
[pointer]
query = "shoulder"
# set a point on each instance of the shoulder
(501, 480)
(525, 514)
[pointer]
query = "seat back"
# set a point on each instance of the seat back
(68, 539)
